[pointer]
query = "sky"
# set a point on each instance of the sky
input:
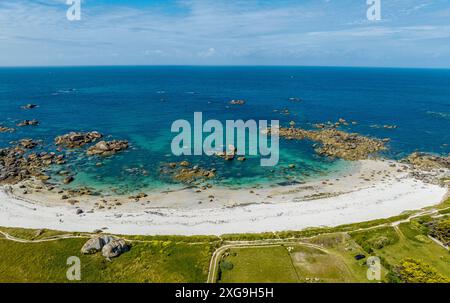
(411, 33)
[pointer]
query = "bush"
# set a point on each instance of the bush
(226, 265)
(413, 271)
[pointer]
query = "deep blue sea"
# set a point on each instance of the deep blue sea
(139, 104)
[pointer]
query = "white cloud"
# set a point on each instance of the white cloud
(194, 32)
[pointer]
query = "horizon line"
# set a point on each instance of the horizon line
(220, 65)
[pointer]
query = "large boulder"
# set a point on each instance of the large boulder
(115, 248)
(96, 244)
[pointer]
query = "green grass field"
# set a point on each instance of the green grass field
(158, 261)
(290, 263)
(259, 264)
(336, 261)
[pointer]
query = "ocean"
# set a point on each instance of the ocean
(139, 104)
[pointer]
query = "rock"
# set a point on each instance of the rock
(28, 122)
(138, 196)
(107, 148)
(237, 102)
(185, 163)
(28, 143)
(68, 180)
(79, 211)
(77, 139)
(44, 177)
(96, 244)
(228, 155)
(4, 129)
(29, 106)
(39, 232)
(241, 158)
(115, 248)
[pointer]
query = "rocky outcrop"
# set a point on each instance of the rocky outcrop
(28, 123)
(187, 174)
(107, 148)
(115, 248)
(77, 139)
(427, 161)
(336, 143)
(17, 165)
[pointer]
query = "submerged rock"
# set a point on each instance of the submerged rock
(29, 106)
(4, 129)
(68, 180)
(77, 139)
(28, 122)
(237, 102)
(107, 148)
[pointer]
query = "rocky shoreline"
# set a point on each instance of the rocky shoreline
(26, 160)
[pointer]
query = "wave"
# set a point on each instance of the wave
(439, 114)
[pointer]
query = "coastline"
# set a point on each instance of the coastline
(376, 189)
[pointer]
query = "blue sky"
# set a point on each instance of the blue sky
(412, 33)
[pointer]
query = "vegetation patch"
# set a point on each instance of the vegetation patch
(414, 271)
(155, 261)
(376, 238)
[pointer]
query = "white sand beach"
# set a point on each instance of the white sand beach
(375, 189)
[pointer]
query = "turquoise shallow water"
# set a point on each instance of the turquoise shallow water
(139, 104)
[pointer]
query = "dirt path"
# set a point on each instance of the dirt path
(217, 255)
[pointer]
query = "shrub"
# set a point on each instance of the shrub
(413, 271)
(226, 265)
